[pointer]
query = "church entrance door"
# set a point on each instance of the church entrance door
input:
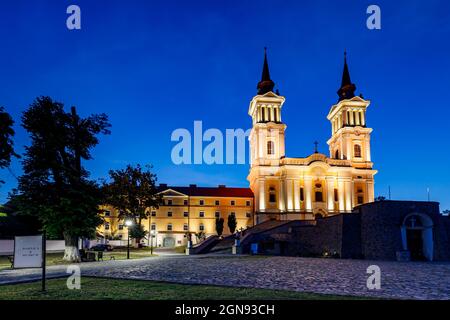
(417, 236)
(415, 244)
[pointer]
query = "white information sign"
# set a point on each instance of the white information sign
(28, 252)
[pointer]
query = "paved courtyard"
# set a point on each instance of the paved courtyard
(329, 276)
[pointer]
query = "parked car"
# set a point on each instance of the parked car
(102, 247)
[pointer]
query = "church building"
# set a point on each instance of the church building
(287, 188)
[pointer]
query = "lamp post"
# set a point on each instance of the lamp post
(128, 223)
(152, 234)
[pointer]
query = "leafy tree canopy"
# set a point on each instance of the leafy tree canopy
(54, 185)
(6, 143)
(232, 223)
(132, 191)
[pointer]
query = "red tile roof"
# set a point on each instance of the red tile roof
(220, 191)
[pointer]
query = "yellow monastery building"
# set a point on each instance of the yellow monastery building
(186, 210)
(281, 188)
(301, 188)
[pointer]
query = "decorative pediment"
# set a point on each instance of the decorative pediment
(172, 193)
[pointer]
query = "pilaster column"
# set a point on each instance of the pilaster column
(341, 195)
(282, 196)
(308, 195)
(348, 194)
(289, 195)
(370, 191)
(367, 149)
(330, 193)
(296, 195)
(262, 195)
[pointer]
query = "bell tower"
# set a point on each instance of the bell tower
(267, 147)
(350, 136)
(267, 134)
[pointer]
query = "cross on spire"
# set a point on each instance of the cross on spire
(315, 147)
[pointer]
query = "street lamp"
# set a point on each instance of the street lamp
(128, 223)
(152, 234)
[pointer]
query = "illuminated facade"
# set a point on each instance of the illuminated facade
(186, 210)
(302, 188)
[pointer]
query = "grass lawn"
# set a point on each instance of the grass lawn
(114, 289)
(118, 254)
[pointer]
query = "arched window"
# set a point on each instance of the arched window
(357, 151)
(270, 147)
(336, 155)
(272, 195)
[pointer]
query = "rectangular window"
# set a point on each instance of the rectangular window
(360, 199)
(169, 227)
(233, 202)
(153, 227)
(107, 226)
(272, 197)
(107, 213)
(120, 226)
(169, 214)
(217, 214)
(232, 213)
(202, 214)
(202, 227)
(270, 148)
(217, 202)
(153, 213)
(248, 203)
(185, 227)
(202, 202)
(169, 202)
(302, 194)
(186, 214)
(319, 196)
(248, 215)
(185, 202)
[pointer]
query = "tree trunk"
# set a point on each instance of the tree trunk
(71, 252)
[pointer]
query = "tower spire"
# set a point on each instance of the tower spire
(347, 89)
(266, 84)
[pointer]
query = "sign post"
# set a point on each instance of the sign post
(29, 252)
(44, 258)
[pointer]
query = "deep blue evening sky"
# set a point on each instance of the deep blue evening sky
(154, 66)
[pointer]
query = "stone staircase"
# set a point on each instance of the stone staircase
(215, 245)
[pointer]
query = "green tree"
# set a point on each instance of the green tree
(6, 142)
(54, 185)
(219, 226)
(232, 223)
(133, 192)
(137, 232)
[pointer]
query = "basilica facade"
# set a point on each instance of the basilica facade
(287, 188)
